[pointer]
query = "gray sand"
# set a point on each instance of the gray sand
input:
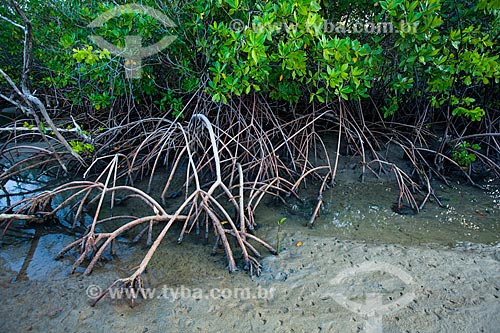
(304, 289)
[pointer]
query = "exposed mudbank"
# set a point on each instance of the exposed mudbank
(450, 290)
(437, 271)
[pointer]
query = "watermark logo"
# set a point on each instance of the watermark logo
(328, 27)
(374, 308)
(182, 292)
(133, 52)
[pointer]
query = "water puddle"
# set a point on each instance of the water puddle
(34, 260)
(363, 212)
(30, 183)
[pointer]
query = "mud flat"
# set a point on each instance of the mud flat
(323, 285)
(362, 268)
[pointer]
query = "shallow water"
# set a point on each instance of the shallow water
(363, 212)
(29, 184)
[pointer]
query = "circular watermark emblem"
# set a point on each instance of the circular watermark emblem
(374, 308)
(133, 52)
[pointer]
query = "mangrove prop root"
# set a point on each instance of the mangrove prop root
(219, 171)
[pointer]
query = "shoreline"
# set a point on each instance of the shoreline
(455, 290)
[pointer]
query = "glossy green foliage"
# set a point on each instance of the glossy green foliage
(450, 55)
(463, 153)
(282, 50)
(440, 53)
(437, 52)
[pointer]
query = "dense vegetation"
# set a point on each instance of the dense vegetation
(241, 101)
